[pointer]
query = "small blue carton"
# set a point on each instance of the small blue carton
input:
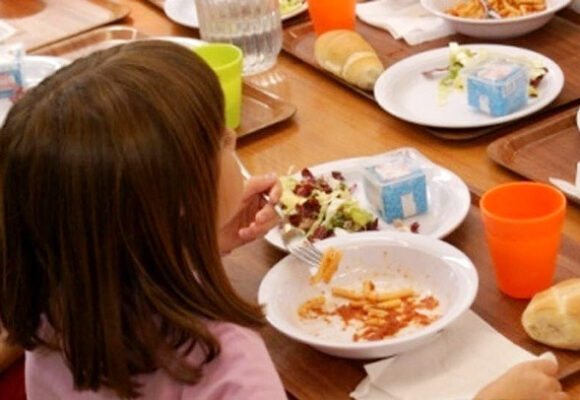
(11, 80)
(396, 187)
(497, 87)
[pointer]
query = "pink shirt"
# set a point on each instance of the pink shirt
(243, 370)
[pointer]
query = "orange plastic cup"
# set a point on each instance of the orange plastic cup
(327, 15)
(523, 227)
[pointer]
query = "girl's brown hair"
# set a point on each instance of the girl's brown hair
(108, 174)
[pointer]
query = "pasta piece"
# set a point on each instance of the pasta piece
(384, 296)
(328, 266)
(386, 305)
(368, 286)
(346, 293)
(505, 8)
(375, 312)
(311, 305)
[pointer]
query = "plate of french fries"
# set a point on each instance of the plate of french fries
(374, 294)
(495, 19)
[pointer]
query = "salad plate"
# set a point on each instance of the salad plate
(183, 11)
(34, 70)
(447, 195)
(418, 98)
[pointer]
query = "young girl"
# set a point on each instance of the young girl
(118, 193)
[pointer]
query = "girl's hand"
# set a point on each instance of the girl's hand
(255, 216)
(526, 381)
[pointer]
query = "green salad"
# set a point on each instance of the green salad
(320, 205)
(287, 6)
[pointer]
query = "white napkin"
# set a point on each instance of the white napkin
(6, 30)
(405, 19)
(463, 359)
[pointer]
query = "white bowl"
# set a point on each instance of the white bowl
(495, 28)
(392, 260)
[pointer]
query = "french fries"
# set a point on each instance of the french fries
(504, 8)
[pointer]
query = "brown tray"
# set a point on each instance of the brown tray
(309, 374)
(548, 148)
(39, 23)
(259, 108)
(557, 40)
(570, 15)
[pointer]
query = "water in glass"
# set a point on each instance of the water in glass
(253, 25)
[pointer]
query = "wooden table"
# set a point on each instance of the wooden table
(331, 123)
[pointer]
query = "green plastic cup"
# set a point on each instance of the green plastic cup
(226, 61)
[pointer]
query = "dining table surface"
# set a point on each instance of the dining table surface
(333, 122)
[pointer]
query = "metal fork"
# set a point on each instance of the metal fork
(489, 12)
(294, 240)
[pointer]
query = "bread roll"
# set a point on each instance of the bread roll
(347, 55)
(553, 316)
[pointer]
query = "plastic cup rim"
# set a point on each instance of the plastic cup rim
(233, 62)
(490, 214)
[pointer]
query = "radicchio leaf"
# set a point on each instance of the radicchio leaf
(295, 219)
(304, 189)
(324, 186)
(337, 175)
(373, 225)
(309, 209)
(321, 233)
(414, 227)
(306, 174)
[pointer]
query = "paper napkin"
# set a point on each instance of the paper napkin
(405, 19)
(463, 359)
(6, 30)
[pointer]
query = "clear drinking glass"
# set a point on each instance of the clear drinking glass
(252, 25)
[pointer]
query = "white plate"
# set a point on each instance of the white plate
(34, 70)
(188, 42)
(392, 261)
(298, 10)
(447, 195)
(183, 12)
(403, 91)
